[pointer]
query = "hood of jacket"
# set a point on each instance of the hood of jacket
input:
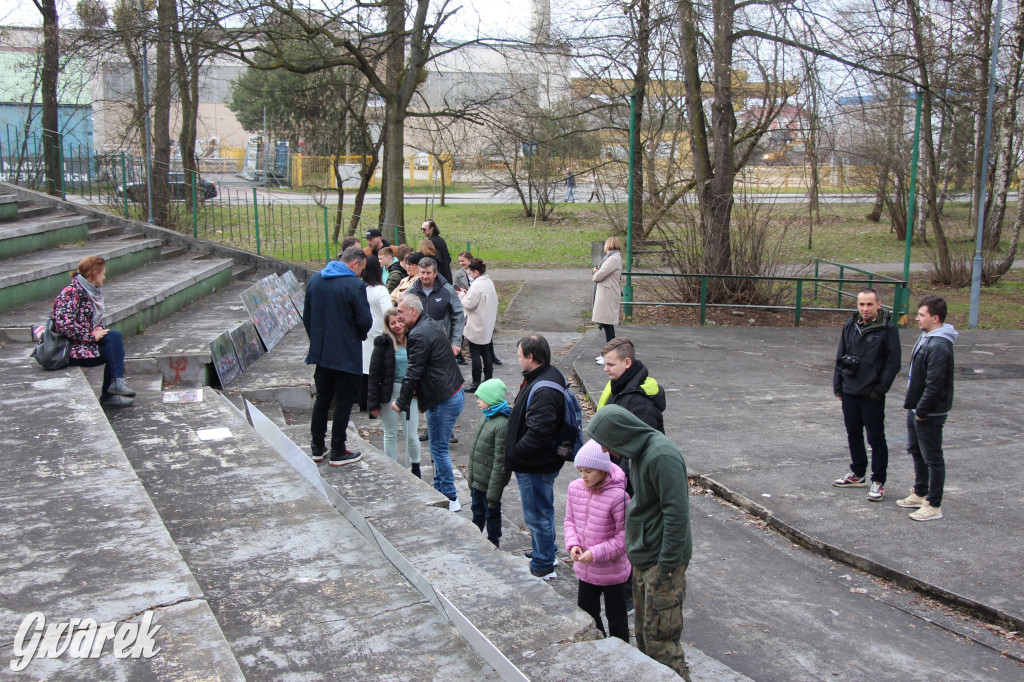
(946, 331)
(620, 432)
(336, 269)
(635, 379)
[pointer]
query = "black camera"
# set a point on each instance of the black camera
(849, 364)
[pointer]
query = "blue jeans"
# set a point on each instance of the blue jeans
(537, 492)
(440, 424)
(924, 443)
(482, 514)
(111, 357)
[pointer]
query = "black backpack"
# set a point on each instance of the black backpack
(570, 435)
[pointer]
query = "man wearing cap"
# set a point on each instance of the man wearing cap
(658, 539)
(376, 240)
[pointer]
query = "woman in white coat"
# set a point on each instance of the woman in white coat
(380, 302)
(607, 288)
(480, 302)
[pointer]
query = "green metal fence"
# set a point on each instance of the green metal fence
(798, 302)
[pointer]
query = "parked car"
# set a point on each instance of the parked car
(177, 189)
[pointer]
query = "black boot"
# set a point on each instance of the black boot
(416, 470)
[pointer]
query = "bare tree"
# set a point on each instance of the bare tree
(50, 123)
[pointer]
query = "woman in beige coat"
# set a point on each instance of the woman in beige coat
(607, 289)
(480, 302)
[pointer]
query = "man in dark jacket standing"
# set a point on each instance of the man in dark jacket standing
(928, 402)
(658, 539)
(440, 302)
(444, 259)
(436, 381)
(531, 448)
(336, 316)
(867, 363)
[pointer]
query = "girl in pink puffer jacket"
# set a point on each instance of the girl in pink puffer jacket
(595, 533)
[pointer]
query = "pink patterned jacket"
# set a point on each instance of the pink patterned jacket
(596, 520)
(72, 315)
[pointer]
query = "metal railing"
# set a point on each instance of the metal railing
(796, 303)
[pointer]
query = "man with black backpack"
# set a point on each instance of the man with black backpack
(536, 434)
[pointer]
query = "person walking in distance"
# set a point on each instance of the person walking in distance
(867, 362)
(336, 316)
(928, 402)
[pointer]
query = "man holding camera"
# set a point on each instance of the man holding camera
(867, 363)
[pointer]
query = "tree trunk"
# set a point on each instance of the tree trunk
(392, 195)
(1004, 147)
(188, 90)
(162, 112)
(365, 177)
(640, 79)
(51, 125)
(944, 269)
(984, 37)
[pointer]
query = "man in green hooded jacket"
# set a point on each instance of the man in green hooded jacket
(658, 540)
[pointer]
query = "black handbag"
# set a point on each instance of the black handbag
(53, 350)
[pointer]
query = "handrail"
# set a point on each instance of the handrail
(901, 293)
(844, 266)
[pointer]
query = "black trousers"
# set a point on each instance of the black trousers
(924, 443)
(609, 331)
(861, 413)
(589, 599)
(337, 388)
(482, 352)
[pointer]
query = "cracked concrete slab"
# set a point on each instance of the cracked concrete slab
(296, 589)
(81, 538)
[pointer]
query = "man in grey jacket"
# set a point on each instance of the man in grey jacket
(928, 402)
(440, 302)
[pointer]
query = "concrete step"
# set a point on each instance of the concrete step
(85, 541)
(140, 298)
(42, 274)
(543, 634)
(29, 234)
(27, 209)
(8, 207)
(297, 590)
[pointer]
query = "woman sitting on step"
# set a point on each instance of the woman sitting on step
(78, 315)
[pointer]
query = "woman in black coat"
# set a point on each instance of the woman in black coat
(444, 259)
(388, 365)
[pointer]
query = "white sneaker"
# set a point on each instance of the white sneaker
(600, 361)
(454, 505)
(927, 513)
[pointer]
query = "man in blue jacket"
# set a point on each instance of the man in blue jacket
(336, 316)
(867, 363)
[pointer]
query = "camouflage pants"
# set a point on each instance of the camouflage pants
(658, 600)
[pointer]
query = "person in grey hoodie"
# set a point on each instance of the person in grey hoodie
(928, 402)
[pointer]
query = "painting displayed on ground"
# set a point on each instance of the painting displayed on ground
(295, 290)
(247, 344)
(225, 361)
(279, 298)
(264, 315)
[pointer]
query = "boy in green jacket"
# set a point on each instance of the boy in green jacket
(487, 473)
(658, 540)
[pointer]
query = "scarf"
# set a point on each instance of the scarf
(607, 256)
(498, 408)
(96, 296)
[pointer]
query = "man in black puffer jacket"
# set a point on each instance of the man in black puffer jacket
(867, 363)
(531, 448)
(436, 381)
(928, 402)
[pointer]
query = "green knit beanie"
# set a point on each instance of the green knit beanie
(491, 391)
